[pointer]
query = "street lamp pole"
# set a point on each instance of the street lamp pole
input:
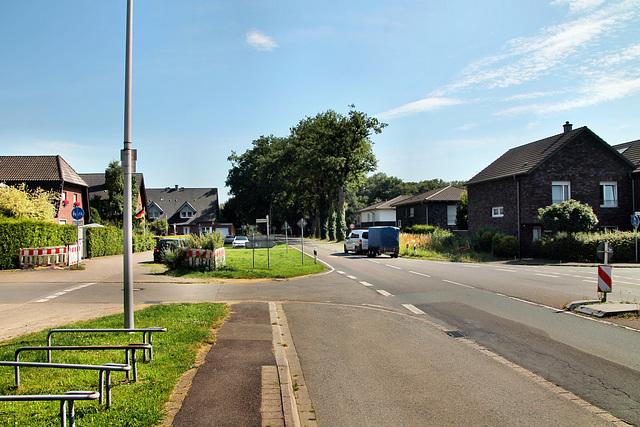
(128, 165)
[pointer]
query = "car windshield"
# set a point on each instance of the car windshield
(241, 238)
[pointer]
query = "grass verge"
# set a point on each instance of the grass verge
(189, 326)
(240, 265)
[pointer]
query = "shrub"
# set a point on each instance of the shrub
(582, 247)
(505, 246)
(209, 242)
(142, 242)
(175, 260)
(104, 241)
(570, 216)
(482, 241)
(420, 229)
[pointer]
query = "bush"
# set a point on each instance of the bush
(104, 241)
(16, 234)
(505, 246)
(420, 229)
(175, 260)
(582, 247)
(209, 242)
(142, 242)
(482, 241)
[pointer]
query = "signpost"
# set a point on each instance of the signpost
(265, 221)
(285, 226)
(635, 221)
(301, 224)
(605, 253)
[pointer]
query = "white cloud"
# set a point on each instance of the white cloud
(421, 106)
(260, 41)
(579, 6)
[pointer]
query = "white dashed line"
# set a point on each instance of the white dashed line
(393, 266)
(508, 271)
(458, 284)
(419, 274)
(546, 275)
(412, 308)
(366, 284)
(352, 277)
(340, 272)
(469, 266)
(383, 292)
(63, 292)
(376, 262)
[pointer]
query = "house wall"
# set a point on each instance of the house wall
(378, 217)
(484, 196)
(436, 212)
(64, 211)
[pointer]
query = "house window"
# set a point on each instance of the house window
(186, 214)
(411, 212)
(186, 230)
(62, 221)
(560, 191)
(609, 194)
(537, 232)
(451, 215)
(497, 212)
(154, 215)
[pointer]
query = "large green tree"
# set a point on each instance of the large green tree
(111, 209)
(570, 216)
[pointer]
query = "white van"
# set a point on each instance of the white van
(357, 242)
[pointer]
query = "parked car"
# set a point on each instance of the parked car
(240, 242)
(357, 242)
(165, 245)
(229, 239)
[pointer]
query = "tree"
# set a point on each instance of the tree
(160, 226)
(462, 214)
(111, 210)
(18, 202)
(570, 216)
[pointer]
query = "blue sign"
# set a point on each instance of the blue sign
(77, 213)
(635, 220)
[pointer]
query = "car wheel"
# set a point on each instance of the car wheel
(345, 249)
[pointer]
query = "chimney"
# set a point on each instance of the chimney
(177, 184)
(567, 127)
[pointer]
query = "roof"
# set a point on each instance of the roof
(443, 194)
(170, 201)
(38, 168)
(631, 150)
(384, 205)
(97, 183)
(522, 160)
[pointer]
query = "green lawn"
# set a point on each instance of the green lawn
(189, 326)
(240, 265)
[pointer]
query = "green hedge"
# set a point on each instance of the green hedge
(16, 234)
(420, 229)
(142, 243)
(104, 241)
(582, 247)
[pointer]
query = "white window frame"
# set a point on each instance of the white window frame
(537, 233)
(186, 214)
(497, 212)
(565, 188)
(411, 212)
(154, 215)
(451, 217)
(612, 203)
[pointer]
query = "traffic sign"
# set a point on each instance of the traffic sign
(604, 278)
(302, 223)
(352, 226)
(77, 213)
(635, 221)
(603, 250)
(261, 221)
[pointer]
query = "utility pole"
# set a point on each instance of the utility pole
(128, 157)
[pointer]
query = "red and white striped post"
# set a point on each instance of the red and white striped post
(604, 281)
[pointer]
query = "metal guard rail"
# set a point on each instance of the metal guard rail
(70, 396)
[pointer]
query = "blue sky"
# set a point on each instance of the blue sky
(458, 82)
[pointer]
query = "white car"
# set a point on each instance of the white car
(240, 242)
(357, 242)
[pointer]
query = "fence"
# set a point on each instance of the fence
(54, 256)
(211, 260)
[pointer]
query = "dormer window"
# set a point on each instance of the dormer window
(186, 214)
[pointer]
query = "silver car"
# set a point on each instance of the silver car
(357, 242)
(240, 242)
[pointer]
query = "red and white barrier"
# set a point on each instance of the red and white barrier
(210, 260)
(54, 256)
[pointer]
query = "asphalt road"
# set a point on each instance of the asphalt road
(371, 338)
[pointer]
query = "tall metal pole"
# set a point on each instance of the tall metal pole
(126, 169)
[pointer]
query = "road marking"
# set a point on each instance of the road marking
(419, 274)
(393, 266)
(590, 281)
(458, 284)
(366, 284)
(469, 266)
(412, 308)
(352, 277)
(504, 269)
(340, 272)
(63, 292)
(546, 275)
(370, 260)
(383, 292)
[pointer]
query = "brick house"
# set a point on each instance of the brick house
(379, 214)
(98, 188)
(186, 210)
(437, 207)
(576, 164)
(631, 150)
(50, 173)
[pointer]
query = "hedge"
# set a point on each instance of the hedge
(16, 234)
(582, 247)
(104, 241)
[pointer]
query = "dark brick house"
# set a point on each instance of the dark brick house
(436, 207)
(631, 150)
(187, 210)
(50, 173)
(576, 164)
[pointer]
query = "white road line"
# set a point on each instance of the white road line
(42, 300)
(393, 266)
(590, 281)
(469, 266)
(412, 308)
(366, 284)
(504, 269)
(340, 272)
(419, 274)
(458, 284)
(383, 292)
(546, 275)
(376, 262)
(352, 277)
(64, 291)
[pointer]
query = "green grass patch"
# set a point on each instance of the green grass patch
(141, 403)
(240, 265)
